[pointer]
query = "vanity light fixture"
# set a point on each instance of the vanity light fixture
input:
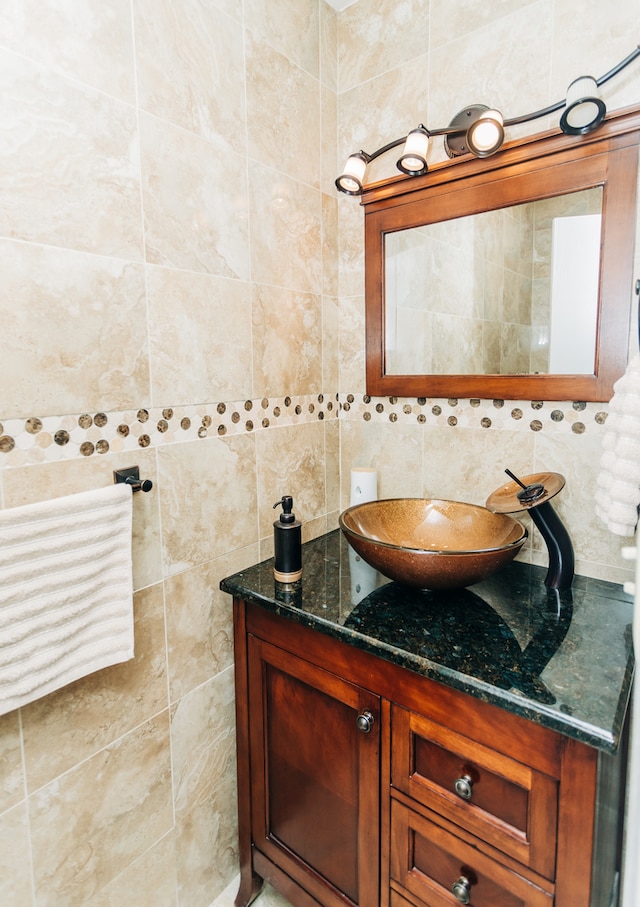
(479, 130)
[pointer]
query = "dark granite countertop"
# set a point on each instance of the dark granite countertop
(564, 660)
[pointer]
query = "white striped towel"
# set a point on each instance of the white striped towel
(66, 591)
(617, 494)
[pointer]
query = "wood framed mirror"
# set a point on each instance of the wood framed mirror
(508, 277)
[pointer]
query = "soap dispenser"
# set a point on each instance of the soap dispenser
(287, 541)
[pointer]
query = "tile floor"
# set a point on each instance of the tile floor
(268, 897)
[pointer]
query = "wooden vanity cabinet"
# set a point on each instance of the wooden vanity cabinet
(363, 783)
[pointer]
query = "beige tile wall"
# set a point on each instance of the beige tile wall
(168, 250)
(182, 289)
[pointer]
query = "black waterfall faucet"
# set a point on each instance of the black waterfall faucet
(534, 495)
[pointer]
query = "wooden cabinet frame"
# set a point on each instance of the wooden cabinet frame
(526, 170)
(585, 785)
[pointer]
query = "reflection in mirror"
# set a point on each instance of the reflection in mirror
(507, 292)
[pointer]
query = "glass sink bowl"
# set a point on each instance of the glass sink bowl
(432, 544)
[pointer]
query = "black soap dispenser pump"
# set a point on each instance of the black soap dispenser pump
(287, 540)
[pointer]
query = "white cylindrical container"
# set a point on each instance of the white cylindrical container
(364, 485)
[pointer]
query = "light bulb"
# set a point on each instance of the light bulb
(486, 135)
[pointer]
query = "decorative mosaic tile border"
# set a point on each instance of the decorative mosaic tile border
(514, 415)
(34, 440)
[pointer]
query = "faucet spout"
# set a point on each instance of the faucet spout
(534, 495)
(561, 559)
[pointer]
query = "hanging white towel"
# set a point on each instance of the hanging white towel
(66, 591)
(618, 485)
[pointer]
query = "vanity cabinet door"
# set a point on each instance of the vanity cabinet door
(314, 748)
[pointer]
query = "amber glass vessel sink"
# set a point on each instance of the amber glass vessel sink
(432, 544)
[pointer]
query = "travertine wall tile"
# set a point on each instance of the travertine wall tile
(291, 461)
(330, 345)
(286, 231)
(203, 745)
(329, 139)
(72, 724)
(289, 27)
(287, 340)
(129, 340)
(84, 39)
(112, 808)
(67, 326)
(208, 500)
(394, 451)
(453, 20)
(71, 174)
(12, 788)
(332, 474)
(328, 46)
(351, 347)
(374, 39)
(15, 858)
(283, 111)
(330, 250)
(199, 621)
(191, 68)
(401, 101)
(194, 201)
(151, 879)
(204, 321)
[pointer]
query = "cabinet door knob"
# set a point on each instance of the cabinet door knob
(462, 890)
(365, 722)
(463, 786)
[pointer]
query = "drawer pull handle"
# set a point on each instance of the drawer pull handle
(365, 722)
(464, 788)
(462, 890)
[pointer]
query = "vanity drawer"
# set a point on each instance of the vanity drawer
(429, 863)
(506, 804)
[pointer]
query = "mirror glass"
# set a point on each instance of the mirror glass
(507, 292)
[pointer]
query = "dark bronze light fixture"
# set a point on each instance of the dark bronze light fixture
(479, 130)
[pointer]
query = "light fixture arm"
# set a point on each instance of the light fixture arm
(454, 130)
(619, 66)
(385, 148)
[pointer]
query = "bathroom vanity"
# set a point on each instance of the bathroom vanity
(404, 748)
